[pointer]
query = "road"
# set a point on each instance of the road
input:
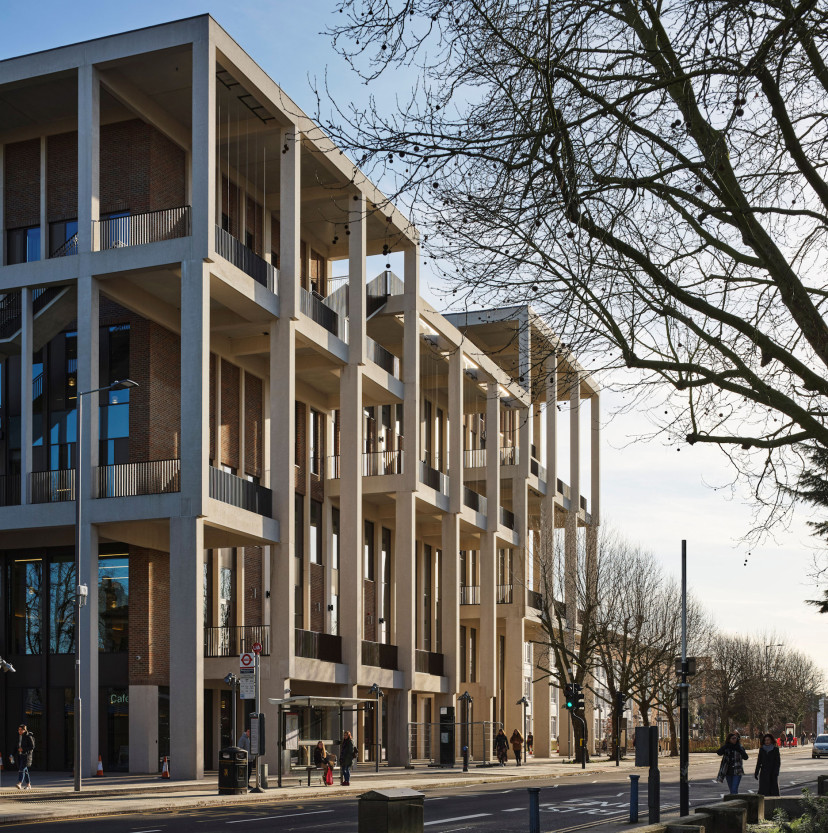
(568, 803)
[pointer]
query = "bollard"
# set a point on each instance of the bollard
(634, 798)
(465, 759)
(534, 809)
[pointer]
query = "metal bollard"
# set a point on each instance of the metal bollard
(465, 759)
(534, 809)
(634, 798)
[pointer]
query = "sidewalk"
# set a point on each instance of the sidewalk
(52, 796)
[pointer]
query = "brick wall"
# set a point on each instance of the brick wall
(22, 183)
(253, 581)
(369, 603)
(253, 425)
(62, 177)
(149, 620)
(230, 414)
(254, 224)
(301, 447)
(317, 598)
(168, 172)
(213, 409)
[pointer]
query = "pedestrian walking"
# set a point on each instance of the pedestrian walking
(244, 743)
(731, 769)
(25, 748)
(346, 759)
(767, 766)
(320, 761)
(517, 745)
(530, 743)
(501, 747)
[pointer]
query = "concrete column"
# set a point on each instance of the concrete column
(88, 648)
(289, 219)
(455, 416)
(89, 156)
(87, 377)
(574, 441)
(44, 225)
(541, 713)
(350, 519)
(513, 673)
(143, 729)
(551, 458)
(411, 370)
(520, 508)
(595, 459)
(450, 600)
(398, 704)
(26, 418)
(2, 205)
(186, 648)
(195, 387)
(283, 477)
(405, 556)
(203, 166)
(357, 249)
(493, 455)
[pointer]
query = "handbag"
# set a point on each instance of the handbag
(329, 776)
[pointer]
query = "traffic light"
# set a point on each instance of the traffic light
(569, 695)
(620, 701)
(578, 698)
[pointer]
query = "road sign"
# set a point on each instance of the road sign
(247, 661)
(247, 683)
(257, 647)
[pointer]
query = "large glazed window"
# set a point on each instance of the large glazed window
(113, 603)
(62, 606)
(26, 601)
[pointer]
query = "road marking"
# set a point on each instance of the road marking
(513, 810)
(156, 830)
(456, 818)
(284, 816)
(617, 794)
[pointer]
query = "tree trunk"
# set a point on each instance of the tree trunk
(671, 721)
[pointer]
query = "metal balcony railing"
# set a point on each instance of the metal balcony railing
(504, 594)
(312, 305)
(475, 501)
(247, 260)
(230, 641)
(146, 227)
(474, 458)
(325, 647)
(70, 247)
(153, 477)
(239, 492)
(534, 599)
(52, 486)
(10, 490)
(428, 662)
(379, 655)
(382, 358)
(509, 456)
(382, 462)
(537, 469)
(433, 478)
(507, 518)
(469, 594)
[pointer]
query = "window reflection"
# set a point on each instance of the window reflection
(113, 603)
(62, 606)
(25, 596)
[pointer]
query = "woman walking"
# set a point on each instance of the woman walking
(517, 745)
(731, 769)
(501, 747)
(346, 759)
(767, 766)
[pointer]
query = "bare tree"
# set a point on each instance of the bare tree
(648, 173)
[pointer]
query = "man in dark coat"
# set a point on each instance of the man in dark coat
(25, 747)
(767, 766)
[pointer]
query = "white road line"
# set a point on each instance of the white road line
(156, 830)
(513, 810)
(617, 794)
(456, 818)
(284, 816)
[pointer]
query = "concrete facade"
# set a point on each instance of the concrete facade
(326, 465)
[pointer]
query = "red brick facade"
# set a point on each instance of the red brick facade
(62, 177)
(253, 584)
(230, 414)
(253, 425)
(22, 184)
(149, 619)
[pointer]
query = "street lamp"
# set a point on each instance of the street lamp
(82, 592)
(525, 703)
(6, 666)
(468, 700)
(233, 681)
(378, 693)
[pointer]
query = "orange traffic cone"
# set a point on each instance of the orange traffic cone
(165, 770)
(99, 773)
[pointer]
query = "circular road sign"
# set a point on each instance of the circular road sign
(257, 647)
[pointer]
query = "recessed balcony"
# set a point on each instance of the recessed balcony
(433, 478)
(232, 640)
(153, 477)
(475, 501)
(124, 229)
(10, 490)
(235, 252)
(244, 494)
(504, 594)
(379, 655)
(312, 304)
(428, 662)
(325, 647)
(507, 518)
(469, 594)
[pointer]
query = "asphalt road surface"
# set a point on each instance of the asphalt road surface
(568, 803)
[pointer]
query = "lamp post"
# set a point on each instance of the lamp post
(6, 666)
(233, 681)
(523, 702)
(767, 681)
(468, 700)
(82, 591)
(378, 693)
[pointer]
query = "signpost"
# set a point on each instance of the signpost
(247, 677)
(257, 724)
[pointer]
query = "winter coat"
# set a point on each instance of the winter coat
(320, 757)
(732, 757)
(516, 740)
(26, 743)
(346, 754)
(767, 771)
(501, 742)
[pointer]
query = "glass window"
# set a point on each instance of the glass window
(113, 603)
(316, 442)
(62, 606)
(472, 655)
(34, 710)
(316, 532)
(25, 599)
(117, 729)
(368, 564)
(23, 245)
(385, 589)
(335, 532)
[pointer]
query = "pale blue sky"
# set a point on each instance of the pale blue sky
(654, 495)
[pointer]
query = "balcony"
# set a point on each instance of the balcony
(428, 662)
(509, 456)
(52, 486)
(246, 259)
(230, 641)
(474, 458)
(70, 247)
(147, 227)
(375, 463)
(241, 493)
(504, 594)
(312, 305)
(325, 647)
(378, 290)
(154, 477)
(507, 518)
(379, 654)
(469, 594)
(10, 490)
(382, 358)
(475, 501)
(537, 469)
(433, 478)
(534, 599)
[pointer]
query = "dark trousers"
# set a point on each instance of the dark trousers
(23, 772)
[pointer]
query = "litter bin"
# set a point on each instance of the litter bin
(391, 811)
(232, 774)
